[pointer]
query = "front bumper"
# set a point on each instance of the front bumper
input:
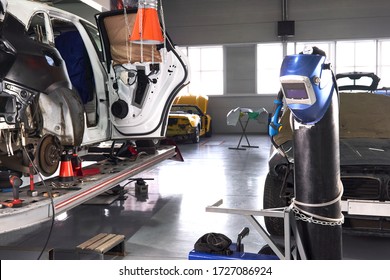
(366, 217)
(180, 132)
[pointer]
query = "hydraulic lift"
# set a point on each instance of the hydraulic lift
(55, 196)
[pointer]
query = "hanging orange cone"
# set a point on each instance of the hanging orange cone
(66, 169)
(147, 28)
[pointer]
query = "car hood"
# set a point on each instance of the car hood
(365, 151)
(357, 152)
(364, 129)
(362, 115)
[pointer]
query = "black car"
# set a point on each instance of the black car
(364, 159)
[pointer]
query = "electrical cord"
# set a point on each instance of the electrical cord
(51, 201)
(128, 33)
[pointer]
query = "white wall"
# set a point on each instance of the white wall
(197, 22)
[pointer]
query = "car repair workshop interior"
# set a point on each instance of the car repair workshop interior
(249, 130)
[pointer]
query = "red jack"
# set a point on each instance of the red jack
(79, 170)
(15, 182)
(66, 169)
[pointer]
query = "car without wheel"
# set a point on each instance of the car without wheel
(67, 84)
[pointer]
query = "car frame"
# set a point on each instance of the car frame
(124, 91)
(188, 118)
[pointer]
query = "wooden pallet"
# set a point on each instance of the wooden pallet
(105, 243)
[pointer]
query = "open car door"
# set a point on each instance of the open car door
(143, 79)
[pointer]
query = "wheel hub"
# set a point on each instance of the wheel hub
(48, 155)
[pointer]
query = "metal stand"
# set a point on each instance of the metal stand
(242, 135)
(293, 247)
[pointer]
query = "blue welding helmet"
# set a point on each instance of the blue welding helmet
(307, 85)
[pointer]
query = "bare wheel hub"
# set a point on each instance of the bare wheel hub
(48, 155)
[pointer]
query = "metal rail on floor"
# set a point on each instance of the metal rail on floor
(293, 247)
(39, 209)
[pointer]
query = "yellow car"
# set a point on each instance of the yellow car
(188, 118)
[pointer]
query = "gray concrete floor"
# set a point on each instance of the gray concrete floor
(167, 223)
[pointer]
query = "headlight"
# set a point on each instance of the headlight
(190, 129)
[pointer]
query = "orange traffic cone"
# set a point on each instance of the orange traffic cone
(66, 169)
(147, 28)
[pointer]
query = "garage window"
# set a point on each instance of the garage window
(384, 63)
(359, 56)
(327, 47)
(269, 59)
(206, 69)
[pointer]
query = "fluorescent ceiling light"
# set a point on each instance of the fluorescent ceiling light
(101, 7)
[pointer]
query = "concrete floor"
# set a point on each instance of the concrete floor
(167, 223)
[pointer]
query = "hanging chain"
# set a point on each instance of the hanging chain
(308, 217)
(319, 220)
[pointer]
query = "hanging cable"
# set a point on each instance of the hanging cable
(141, 19)
(128, 32)
(163, 26)
(51, 201)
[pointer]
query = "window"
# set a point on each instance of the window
(207, 63)
(384, 63)
(269, 59)
(359, 56)
(327, 47)
(93, 34)
(206, 70)
(40, 29)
